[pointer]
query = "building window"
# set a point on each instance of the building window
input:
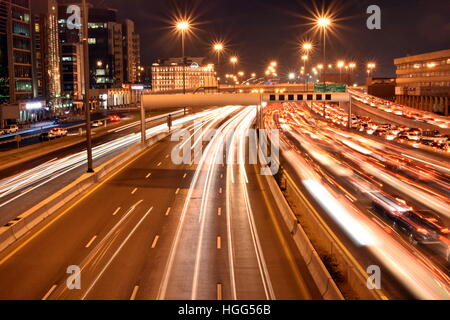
(22, 29)
(92, 41)
(23, 86)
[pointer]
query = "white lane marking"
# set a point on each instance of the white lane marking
(115, 212)
(148, 175)
(91, 241)
(219, 242)
(115, 253)
(184, 176)
(177, 191)
(155, 242)
(167, 156)
(168, 211)
(135, 291)
(159, 164)
(134, 191)
(49, 292)
(221, 176)
(219, 291)
(220, 190)
(219, 211)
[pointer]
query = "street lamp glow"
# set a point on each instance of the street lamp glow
(323, 22)
(305, 57)
(340, 64)
(320, 66)
(273, 63)
(218, 47)
(291, 76)
(234, 60)
(183, 25)
(307, 46)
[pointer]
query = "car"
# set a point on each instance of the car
(432, 221)
(380, 132)
(2, 132)
(46, 136)
(114, 118)
(404, 220)
(97, 123)
(58, 132)
(11, 129)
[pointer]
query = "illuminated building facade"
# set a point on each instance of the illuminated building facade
(423, 81)
(16, 82)
(46, 52)
(131, 52)
(168, 75)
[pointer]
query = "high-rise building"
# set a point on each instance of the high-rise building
(72, 73)
(131, 52)
(16, 82)
(46, 52)
(168, 74)
(423, 81)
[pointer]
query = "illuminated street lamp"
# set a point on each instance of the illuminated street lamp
(218, 47)
(234, 60)
(340, 65)
(370, 67)
(323, 23)
(182, 27)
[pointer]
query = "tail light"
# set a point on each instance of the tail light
(422, 230)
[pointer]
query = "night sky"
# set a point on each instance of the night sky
(261, 30)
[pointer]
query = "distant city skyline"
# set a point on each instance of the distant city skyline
(263, 30)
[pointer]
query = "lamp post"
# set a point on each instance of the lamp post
(370, 67)
(183, 27)
(234, 60)
(307, 47)
(218, 48)
(87, 107)
(323, 23)
(340, 65)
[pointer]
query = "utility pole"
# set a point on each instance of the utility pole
(87, 108)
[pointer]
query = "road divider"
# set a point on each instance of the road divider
(322, 278)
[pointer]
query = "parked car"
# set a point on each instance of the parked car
(11, 129)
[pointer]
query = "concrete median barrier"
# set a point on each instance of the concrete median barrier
(23, 224)
(317, 269)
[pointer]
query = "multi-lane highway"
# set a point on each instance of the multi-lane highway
(344, 173)
(27, 184)
(160, 230)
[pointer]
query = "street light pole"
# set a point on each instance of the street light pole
(184, 61)
(87, 107)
